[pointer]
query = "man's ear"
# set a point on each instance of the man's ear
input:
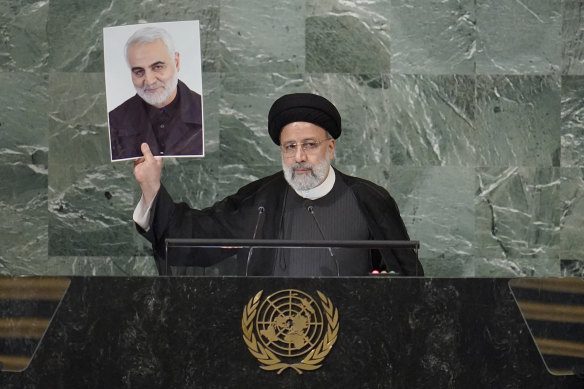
(177, 60)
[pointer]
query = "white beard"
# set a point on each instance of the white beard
(158, 98)
(306, 181)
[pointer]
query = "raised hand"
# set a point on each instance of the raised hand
(148, 171)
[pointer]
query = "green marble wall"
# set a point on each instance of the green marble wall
(470, 112)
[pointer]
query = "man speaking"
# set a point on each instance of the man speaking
(308, 200)
(164, 113)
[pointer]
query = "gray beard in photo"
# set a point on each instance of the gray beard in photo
(158, 98)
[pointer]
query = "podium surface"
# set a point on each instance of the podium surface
(187, 332)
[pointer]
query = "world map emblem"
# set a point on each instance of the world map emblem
(290, 329)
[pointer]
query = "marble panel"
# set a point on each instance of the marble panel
(23, 173)
(100, 266)
(23, 37)
(78, 121)
(90, 199)
(518, 120)
(23, 211)
(348, 36)
(91, 211)
(573, 37)
(362, 102)
(572, 135)
(432, 120)
(23, 113)
(572, 214)
(436, 37)
(518, 267)
(518, 37)
(75, 29)
(260, 36)
(518, 221)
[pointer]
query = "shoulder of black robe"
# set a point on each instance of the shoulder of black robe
(233, 217)
(385, 223)
(191, 105)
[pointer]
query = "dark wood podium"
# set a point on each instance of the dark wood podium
(186, 332)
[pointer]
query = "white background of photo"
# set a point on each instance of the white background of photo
(118, 80)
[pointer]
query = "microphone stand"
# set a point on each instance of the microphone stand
(311, 211)
(261, 211)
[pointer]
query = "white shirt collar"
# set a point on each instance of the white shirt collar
(321, 190)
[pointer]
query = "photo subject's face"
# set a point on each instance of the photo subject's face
(306, 170)
(154, 72)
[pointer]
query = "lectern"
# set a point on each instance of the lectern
(270, 332)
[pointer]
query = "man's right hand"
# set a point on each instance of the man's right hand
(148, 171)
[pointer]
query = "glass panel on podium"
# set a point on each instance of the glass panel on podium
(553, 309)
(242, 257)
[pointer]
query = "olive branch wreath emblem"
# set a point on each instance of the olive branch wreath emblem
(269, 360)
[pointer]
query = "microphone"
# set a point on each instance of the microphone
(261, 211)
(310, 209)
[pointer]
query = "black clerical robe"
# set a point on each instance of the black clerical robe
(236, 216)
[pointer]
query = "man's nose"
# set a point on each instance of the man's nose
(300, 154)
(150, 78)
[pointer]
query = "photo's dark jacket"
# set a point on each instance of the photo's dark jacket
(130, 126)
(236, 216)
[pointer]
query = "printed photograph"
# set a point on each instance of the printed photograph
(154, 89)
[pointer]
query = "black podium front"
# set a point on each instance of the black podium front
(188, 332)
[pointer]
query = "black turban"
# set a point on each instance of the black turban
(303, 107)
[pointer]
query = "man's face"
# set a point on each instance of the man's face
(154, 72)
(306, 169)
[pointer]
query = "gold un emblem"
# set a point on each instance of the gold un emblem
(288, 330)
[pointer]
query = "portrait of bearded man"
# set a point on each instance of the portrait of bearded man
(164, 112)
